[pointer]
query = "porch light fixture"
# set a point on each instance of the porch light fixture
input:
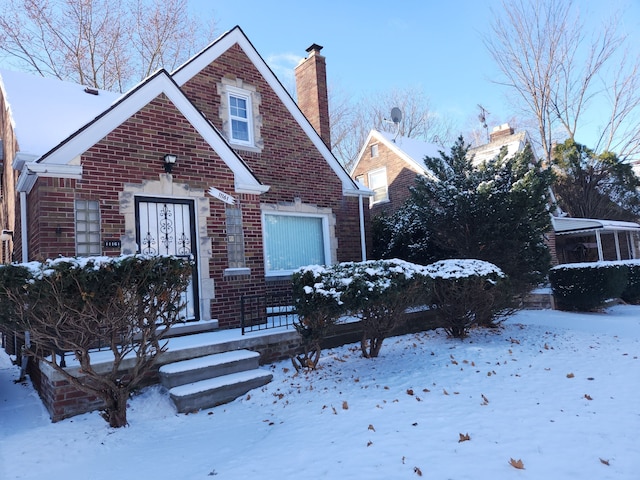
(169, 161)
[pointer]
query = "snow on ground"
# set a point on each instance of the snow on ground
(558, 391)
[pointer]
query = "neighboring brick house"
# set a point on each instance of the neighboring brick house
(253, 193)
(389, 165)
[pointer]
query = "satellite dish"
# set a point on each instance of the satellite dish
(396, 115)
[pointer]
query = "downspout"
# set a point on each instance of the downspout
(363, 242)
(23, 227)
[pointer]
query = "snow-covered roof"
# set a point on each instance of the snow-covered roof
(414, 148)
(566, 225)
(411, 150)
(45, 111)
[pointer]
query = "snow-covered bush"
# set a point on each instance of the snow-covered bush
(587, 286)
(126, 304)
(379, 292)
(317, 295)
(467, 293)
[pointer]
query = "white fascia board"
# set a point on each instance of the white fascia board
(251, 189)
(361, 153)
(32, 171)
(218, 47)
(134, 102)
(21, 159)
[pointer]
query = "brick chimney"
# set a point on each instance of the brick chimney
(311, 87)
(503, 130)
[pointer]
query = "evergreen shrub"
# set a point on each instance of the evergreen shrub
(467, 293)
(587, 286)
(631, 293)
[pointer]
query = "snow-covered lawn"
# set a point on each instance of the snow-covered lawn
(559, 392)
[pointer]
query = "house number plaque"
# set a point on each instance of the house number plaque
(112, 244)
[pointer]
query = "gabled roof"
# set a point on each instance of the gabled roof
(411, 150)
(515, 143)
(236, 36)
(59, 159)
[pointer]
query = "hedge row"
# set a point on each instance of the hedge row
(588, 286)
(378, 293)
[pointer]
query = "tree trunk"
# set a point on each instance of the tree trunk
(116, 410)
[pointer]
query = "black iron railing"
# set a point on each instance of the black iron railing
(260, 312)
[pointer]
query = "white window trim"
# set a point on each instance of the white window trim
(237, 88)
(302, 210)
(246, 96)
(386, 183)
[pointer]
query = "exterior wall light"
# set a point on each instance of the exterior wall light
(169, 161)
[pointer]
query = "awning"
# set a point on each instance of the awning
(569, 225)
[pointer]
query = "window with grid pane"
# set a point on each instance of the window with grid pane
(378, 183)
(293, 241)
(87, 228)
(240, 117)
(235, 237)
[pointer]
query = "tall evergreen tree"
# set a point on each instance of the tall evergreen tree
(590, 185)
(496, 211)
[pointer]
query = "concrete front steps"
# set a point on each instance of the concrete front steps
(211, 380)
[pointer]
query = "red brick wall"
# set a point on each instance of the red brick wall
(399, 176)
(289, 162)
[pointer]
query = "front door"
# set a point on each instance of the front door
(167, 227)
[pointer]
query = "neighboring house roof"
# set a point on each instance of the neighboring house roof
(411, 150)
(514, 143)
(567, 225)
(209, 54)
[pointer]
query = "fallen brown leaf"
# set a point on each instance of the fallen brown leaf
(417, 471)
(345, 405)
(516, 464)
(604, 462)
(570, 375)
(371, 428)
(464, 438)
(587, 396)
(409, 391)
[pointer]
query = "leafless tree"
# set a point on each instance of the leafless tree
(352, 119)
(108, 44)
(561, 71)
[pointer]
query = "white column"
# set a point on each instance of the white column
(599, 243)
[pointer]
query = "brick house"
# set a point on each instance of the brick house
(388, 165)
(214, 160)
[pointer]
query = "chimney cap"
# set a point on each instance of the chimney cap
(315, 48)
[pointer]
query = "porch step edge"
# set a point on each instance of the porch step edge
(207, 366)
(217, 391)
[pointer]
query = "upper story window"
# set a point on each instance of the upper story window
(240, 117)
(240, 114)
(378, 183)
(374, 150)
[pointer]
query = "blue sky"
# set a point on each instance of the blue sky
(377, 46)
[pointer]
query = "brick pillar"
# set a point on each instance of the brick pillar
(311, 86)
